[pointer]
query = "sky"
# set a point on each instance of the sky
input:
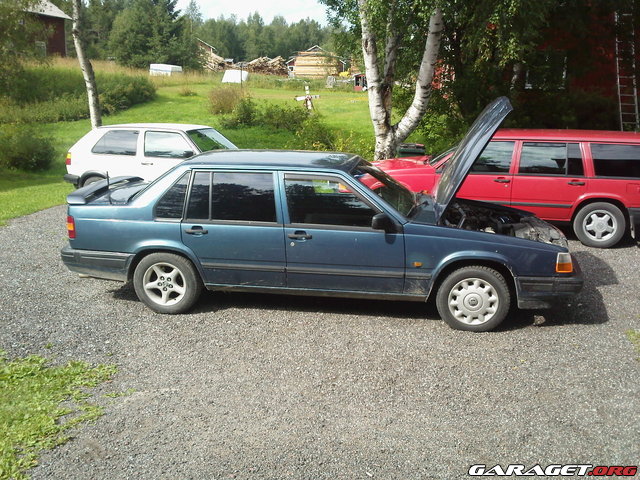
(291, 10)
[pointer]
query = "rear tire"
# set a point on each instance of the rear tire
(599, 225)
(167, 283)
(90, 180)
(474, 298)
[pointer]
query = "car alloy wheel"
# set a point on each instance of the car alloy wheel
(167, 283)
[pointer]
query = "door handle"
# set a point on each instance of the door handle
(575, 182)
(299, 235)
(146, 163)
(196, 231)
(501, 180)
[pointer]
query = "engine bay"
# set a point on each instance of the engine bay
(482, 217)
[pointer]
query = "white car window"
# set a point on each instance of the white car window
(166, 144)
(117, 142)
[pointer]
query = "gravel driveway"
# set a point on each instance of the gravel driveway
(273, 387)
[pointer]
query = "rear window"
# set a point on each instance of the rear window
(616, 160)
(117, 142)
(539, 158)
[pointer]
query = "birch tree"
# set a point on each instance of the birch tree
(381, 73)
(85, 65)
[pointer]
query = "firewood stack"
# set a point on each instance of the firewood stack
(268, 66)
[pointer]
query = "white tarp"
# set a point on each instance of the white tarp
(235, 76)
(164, 69)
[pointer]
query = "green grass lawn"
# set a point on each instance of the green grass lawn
(31, 415)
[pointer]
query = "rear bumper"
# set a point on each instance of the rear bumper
(634, 222)
(73, 179)
(107, 265)
(542, 292)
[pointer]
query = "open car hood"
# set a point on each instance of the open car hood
(468, 150)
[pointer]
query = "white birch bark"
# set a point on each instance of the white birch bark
(86, 67)
(380, 85)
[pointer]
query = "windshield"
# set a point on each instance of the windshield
(209, 139)
(438, 158)
(392, 192)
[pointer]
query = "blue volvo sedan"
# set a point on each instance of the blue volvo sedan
(308, 223)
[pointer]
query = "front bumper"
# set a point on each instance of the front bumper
(107, 265)
(542, 292)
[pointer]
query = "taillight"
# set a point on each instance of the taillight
(67, 160)
(564, 264)
(71, 227)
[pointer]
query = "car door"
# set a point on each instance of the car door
(490, 176)
(550, 179)
(330, 242)
(232, 225)
(161, 150)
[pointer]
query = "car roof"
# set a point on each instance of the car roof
(566, 135)
(275, 159)
(168, 126)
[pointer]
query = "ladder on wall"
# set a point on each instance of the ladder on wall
(626, 72)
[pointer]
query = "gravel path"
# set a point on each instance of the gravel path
(271, 387)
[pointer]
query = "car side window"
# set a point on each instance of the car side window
(326, 201)
(616, 160)
(171, 204)
(199, 196)
(117, 142)
(495, 158)
(243, 196)
(540, 158)
(235, 196)
(167, 145)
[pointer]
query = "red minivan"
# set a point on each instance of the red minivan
(588, 178)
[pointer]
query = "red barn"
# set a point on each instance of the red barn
(53, 19)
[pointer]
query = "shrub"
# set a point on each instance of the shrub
(284, 117)
(314, 135)
(119, 92)
(23, 149)
(224, 99)
(245, 114)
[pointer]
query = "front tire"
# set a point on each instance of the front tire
(474, 298)
(599, 225)
(167, 283)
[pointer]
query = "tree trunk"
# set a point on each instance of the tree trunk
(85, 65)
(380, 88)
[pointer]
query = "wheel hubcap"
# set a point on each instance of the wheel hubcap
(600, 225)
(164, 284)
(473, 301)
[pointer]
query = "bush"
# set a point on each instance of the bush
(23, 149)
(284, 117)
(119, 92)
(245, 114)
(224, 100)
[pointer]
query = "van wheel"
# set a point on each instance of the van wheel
(599, 225)
(474, 298)
(167, 283)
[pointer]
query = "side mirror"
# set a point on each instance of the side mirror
(188, 154)
(381, 221)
